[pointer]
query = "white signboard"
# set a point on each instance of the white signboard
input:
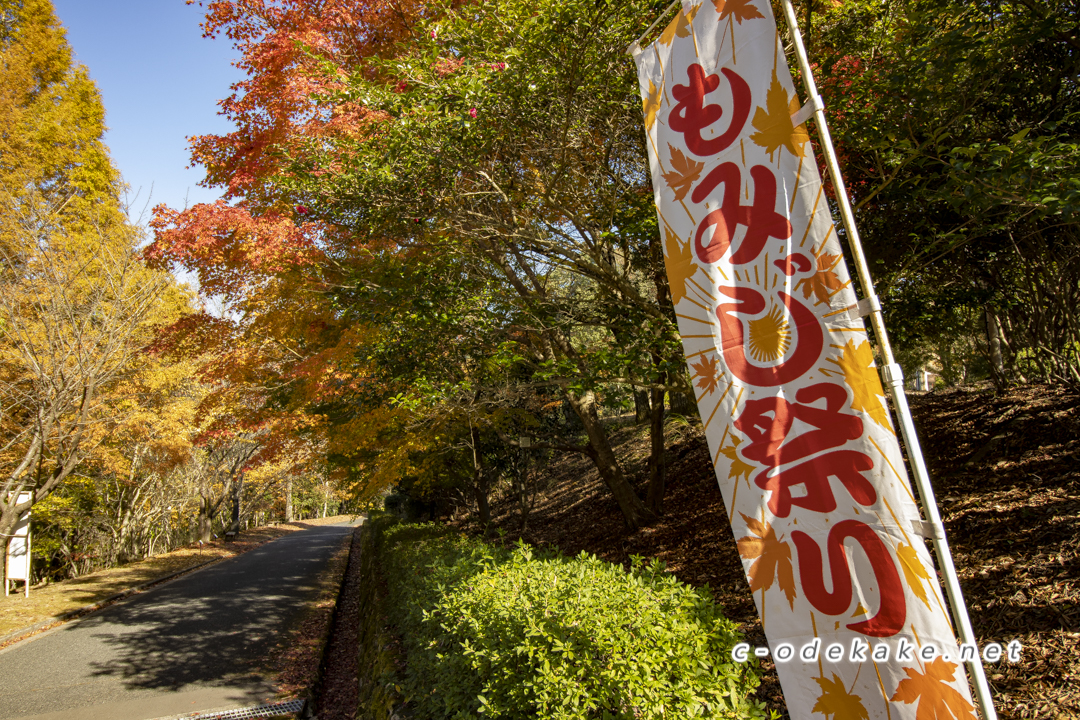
(18, 549)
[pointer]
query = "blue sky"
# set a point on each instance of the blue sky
(160, 81)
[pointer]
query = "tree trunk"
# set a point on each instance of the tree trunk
(657, 459)
(635, 512)
(479, 481)
(205, 522)
(238, 489)
(641, 406)
(993, 344)
(524, 496)
(682, 404)
(288, 500)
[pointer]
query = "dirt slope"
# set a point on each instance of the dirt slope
(1006, 472)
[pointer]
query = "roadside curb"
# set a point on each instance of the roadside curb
(313, 694)
(26, 632)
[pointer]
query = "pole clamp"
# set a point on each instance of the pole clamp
(893, 375)
(864, 307)
(803, 114)
(930, 531)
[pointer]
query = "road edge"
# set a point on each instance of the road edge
(12, 639)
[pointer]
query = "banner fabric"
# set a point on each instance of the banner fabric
(805, 452)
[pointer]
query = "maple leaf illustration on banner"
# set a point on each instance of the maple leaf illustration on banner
(685, 171)
(835, 700)
(679, 259)
(773, 122)
(679, 26)
(937, 699)
(738, 9)
(825, 281)
(650, 105)
(772, 559)
(914, 572)
(707, 373)
(861, 376)
(738, 469)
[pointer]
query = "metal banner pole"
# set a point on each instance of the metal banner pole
(894, 379)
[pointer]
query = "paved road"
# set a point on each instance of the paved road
(181, 647)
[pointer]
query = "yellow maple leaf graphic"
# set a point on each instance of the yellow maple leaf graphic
(684, 172)
(707, 373)
(772, 559)
(738, 469)
(914, 571)
(835, 700)
(937, 699)
(774, 122)
(861, 376)
(679, 26)
(825, 281)
(650, 105)
(738, 9)
(679, 260)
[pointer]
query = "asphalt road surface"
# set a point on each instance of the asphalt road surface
(185, 646)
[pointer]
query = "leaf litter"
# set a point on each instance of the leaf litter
(1006, 472)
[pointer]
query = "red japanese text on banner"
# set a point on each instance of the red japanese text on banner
(793, 409)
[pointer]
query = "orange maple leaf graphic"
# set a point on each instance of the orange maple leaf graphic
(650, 105)
(679, 26)
(861, 376)
(825, 282)
(914, 571)
(773, 122)
(937, 699)
(679, 260)
(685, 171)
(738, 9)
(772, 559)
(738, 469)
(835, 700)
(707, 373)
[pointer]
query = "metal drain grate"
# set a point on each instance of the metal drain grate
(252, 713)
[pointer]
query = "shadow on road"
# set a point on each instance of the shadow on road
(217, 626)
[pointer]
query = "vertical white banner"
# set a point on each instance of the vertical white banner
(793, 409)
(17, 556)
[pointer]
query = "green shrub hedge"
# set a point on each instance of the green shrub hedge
(490, 632)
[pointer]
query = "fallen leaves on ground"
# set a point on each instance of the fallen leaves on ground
(1012, 518)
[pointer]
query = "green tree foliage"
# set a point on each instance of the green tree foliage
(441, 227)
(510, 135)
(958, 126)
